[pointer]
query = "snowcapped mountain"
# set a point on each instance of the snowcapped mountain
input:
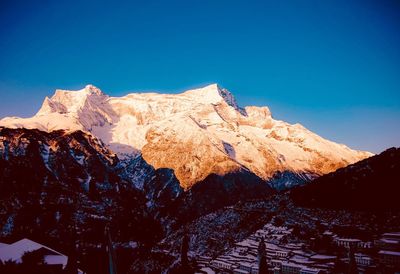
(196, 133)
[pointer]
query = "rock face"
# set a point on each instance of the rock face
(196, 133)
(53, 183)
(214, 192)
(57, 185)
(72, 158)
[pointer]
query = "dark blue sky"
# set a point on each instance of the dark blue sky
(333, 66)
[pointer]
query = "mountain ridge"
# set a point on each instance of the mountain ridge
(370, 184)
(196, 133)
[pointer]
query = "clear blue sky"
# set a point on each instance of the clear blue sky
(333, 66)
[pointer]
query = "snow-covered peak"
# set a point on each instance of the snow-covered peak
(49, 106)
(195, 133)
(90, 89)
(213, 94)
(73, 97)
(209, 92)
(67, 101)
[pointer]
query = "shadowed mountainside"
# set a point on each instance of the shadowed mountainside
(371, 184)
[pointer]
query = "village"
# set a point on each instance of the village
(292, 242)
(287, 256)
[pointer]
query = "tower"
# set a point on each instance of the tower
(352, 267)
(262, 257)
(112, 268)
(184, 251)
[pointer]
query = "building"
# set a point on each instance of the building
(276, 263)
(240, 271)
(392, 236)
(389, 258)
(222, 264)
(241, 250)
(387, 244)
(363, 260)
(347, 243)
(255, 269)
(207, 270)
(276, 270)
(245, 266)
(389, 241)
(282, 254)
(308, 270)
(15, 251)
(290, 268)
(323, 259)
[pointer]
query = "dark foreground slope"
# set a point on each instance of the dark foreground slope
(61, 188)
(371, 184)
(175, 206)
(213, 193)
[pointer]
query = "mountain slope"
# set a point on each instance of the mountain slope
(213, 193)
(60, 185)
(371, 184)
(196, 133)
(174, 206)
(64, 187)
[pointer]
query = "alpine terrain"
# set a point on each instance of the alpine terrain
(195, 133)
(160, 173)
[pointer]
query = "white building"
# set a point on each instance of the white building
(363, 260)
(282, 253)
(15, 251)
(222, 264)
(347, 242)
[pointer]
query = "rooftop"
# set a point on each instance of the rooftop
(387, 252)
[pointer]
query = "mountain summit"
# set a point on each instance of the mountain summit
(195, 133)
